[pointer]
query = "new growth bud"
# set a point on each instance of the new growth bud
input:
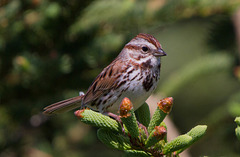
(164, 107)
(78, 113)
(166, 104)
(128, 117)
(125, 108)
(97, 119)
(156, 135)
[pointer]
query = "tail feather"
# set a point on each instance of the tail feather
(64, 106)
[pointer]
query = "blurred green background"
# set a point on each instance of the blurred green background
(50, 50)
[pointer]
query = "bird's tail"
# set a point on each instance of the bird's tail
(64, 106)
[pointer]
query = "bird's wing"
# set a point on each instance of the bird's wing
(105, 81)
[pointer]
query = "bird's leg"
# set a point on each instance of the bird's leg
(143, 127)
(117, 118)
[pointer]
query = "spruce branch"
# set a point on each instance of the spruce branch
(127, 132)
(128, 118)
(237, 130)
(90, 117)
(164, 107)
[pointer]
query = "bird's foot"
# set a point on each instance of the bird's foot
(118, 119)
(140, 125)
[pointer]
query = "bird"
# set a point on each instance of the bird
(134, 73)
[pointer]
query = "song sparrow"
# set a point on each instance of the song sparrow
(134, 74)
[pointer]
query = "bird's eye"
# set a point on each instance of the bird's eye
(145, 49)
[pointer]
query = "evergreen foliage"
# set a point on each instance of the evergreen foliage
(131, 140)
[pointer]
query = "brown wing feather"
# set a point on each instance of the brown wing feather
(105, 81)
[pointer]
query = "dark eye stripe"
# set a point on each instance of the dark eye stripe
(135, 47)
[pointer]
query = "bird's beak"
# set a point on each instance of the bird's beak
(159, 53)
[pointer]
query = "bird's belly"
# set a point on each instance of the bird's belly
(135, 92)
(136, 86)
(136, 97)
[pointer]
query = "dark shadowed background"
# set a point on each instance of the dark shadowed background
(52, 49)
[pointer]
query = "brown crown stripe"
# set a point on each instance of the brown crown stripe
(150, 39)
